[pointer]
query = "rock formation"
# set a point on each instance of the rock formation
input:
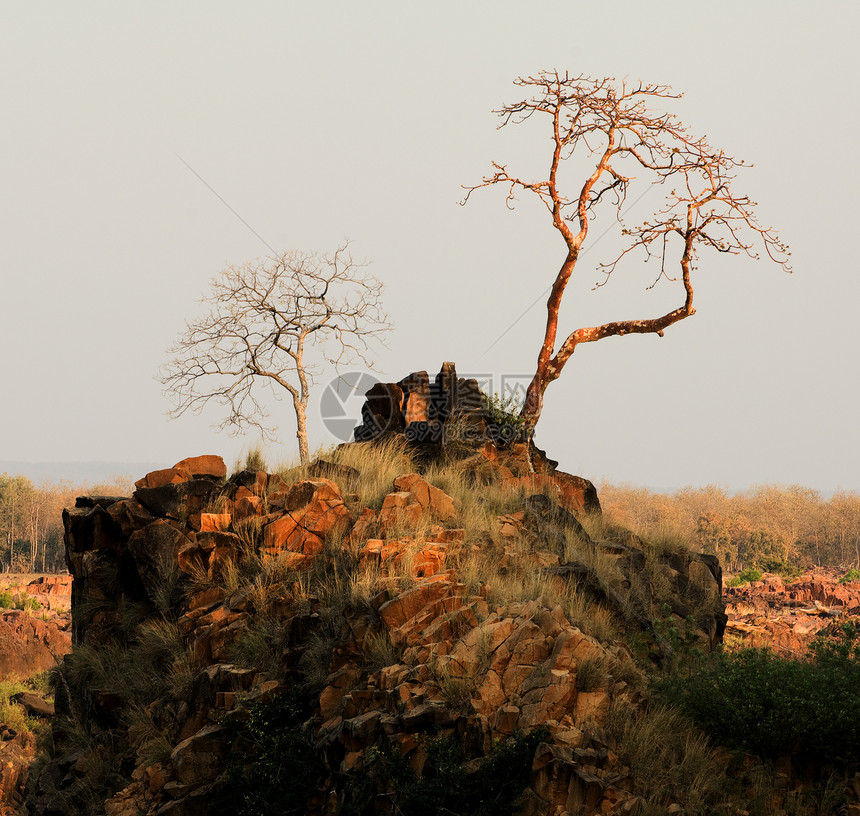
(30, 645)
(196, 572)
(788, 615)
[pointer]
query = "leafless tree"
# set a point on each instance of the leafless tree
(262, 316)
(612, 127)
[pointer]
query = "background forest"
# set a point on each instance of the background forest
(771, 528)
(31, 522)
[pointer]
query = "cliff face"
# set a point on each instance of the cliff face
(383, 638)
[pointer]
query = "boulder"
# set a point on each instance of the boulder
(314, 507)
(431, 499)
(178, 500)
(193, 467)
(197, 466)
(381, 413)
(199, 758)
(33, 704)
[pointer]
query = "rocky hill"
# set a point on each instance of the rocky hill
(395, 626)
(435, 619)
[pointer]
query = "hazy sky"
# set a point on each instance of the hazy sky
(318, 121)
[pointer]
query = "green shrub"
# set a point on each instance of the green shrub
(444, 786)
(272, 769)
(503, 416)
(757, 701)
(780, 566)
(21, 601)
(746, 576)
(27, 603)
(851, 575)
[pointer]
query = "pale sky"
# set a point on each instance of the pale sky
(319, 121)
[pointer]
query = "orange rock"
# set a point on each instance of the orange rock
(205, 598)
(426, 560)
(261, 483)
(362, 526)
(512, 525)
(247, 506)
(397, 611)
(591, 707)
(430, 498)
(417, 407)
(489, 695)
(429, 560)
(453, 536)
(214, 522)
(332, 696)
(158, 478)
(506, 719)
(192, 557)
(208, 465)
(314, 508)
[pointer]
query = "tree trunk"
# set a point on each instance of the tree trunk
(302, 430)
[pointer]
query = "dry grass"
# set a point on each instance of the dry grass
(379, 652)
(528, 582)
(378, 465)
(12, 714)
(669, 759)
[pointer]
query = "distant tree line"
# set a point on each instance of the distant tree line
(773, 528)
(31, 523)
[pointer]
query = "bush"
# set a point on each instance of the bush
(851, 575)
(444, 786)
(504, 422)
(746, 576)
(272, 770)
(756, 701)
(21, 601)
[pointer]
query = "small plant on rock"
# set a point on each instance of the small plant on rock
(504, 422)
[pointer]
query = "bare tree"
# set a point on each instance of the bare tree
(262, 316)
(611, 126)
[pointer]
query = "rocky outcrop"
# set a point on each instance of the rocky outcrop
(788, 615)
(51, 592)
(430, 651)
(447, 420)
(30, 645)
(425, 413)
